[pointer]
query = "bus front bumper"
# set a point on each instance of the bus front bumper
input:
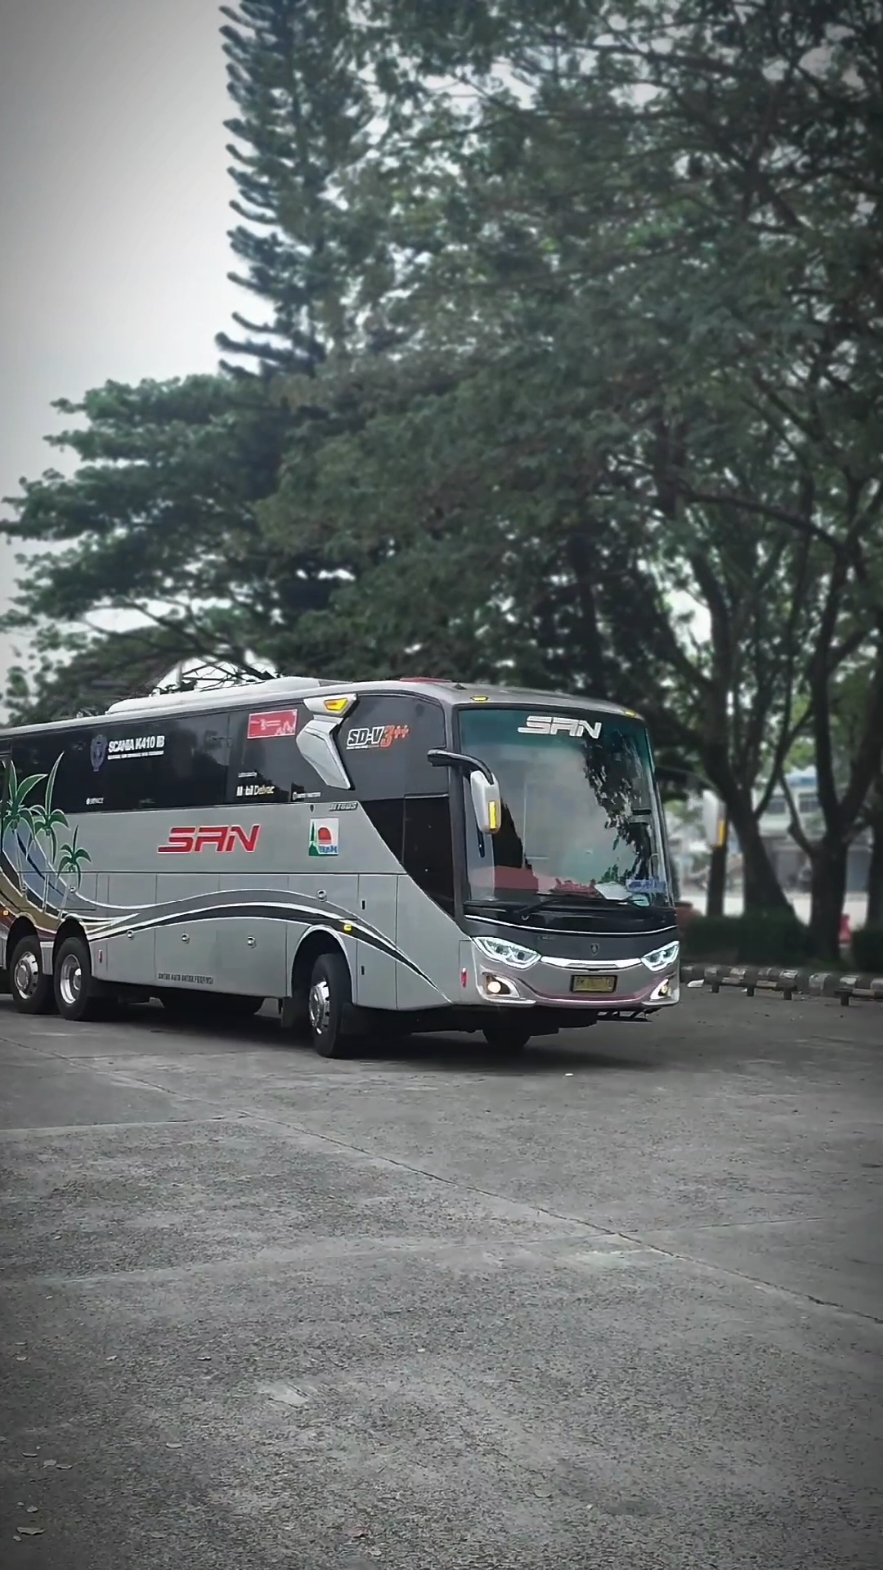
(578, 988)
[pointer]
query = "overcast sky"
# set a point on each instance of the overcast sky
(113, 210)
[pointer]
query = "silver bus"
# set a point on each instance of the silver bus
(417, 854)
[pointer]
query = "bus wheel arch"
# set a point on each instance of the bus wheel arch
(29, 984)
(312, 944)
(322, 991)
(69, 928)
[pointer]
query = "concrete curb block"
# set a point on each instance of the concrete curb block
(772, 978)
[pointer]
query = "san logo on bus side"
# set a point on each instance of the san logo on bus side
(220, 837)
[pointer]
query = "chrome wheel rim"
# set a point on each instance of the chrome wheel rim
(320, 1006)
(26, 975)
(70, 980)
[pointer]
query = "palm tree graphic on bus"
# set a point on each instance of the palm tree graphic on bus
(30, 858)
(16, 815)
(73, 858)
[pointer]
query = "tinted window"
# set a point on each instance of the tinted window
(267, 763)
(428, 856)
(36, 755)
(388, 818)
(193, 767)
(75, 783)
(125, 764)
(77, 786)
(384, 743)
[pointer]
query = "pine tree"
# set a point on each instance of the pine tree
(292, 71)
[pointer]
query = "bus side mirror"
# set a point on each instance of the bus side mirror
(487, 802)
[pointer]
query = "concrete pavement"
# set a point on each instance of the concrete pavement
(619, 1305)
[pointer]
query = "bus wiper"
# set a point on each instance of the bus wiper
(542, 902)
(573, 902)
(594, 902)
(504, 907)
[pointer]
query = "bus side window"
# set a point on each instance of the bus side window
(126, 762)
(193, 767)
(266, 763)
(384, 743)
(39, 754)
(428, 855)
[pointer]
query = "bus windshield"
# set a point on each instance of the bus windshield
(581, 820)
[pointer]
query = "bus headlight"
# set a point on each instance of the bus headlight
(506, 953)
(657, 959)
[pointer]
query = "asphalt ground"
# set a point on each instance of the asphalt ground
(618, 1305)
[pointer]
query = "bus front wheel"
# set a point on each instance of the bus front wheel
(329, 997)
(509, 1037)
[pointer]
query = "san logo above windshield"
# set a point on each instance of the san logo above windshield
(559, 725)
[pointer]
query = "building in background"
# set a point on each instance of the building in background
(790, 862)
(690, 850)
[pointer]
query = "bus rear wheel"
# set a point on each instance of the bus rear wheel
(509, 1037)
(31, 988)
(329, 996)
(72, 980)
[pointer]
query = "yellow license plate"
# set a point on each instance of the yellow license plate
(593, 983)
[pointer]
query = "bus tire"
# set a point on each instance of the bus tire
(29, 984)
(74, 989)
(329, 997)
(509, 1037)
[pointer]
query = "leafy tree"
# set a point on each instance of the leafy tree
(156, 526)
(159, 520)
(312, 237)
(703, 184)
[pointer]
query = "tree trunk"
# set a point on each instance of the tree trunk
(717, 878)
(828, 891)
(874, 917)
(762, 889)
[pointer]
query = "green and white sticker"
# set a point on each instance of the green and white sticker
(324, 837)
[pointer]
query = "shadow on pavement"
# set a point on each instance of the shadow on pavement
(451, 1053)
